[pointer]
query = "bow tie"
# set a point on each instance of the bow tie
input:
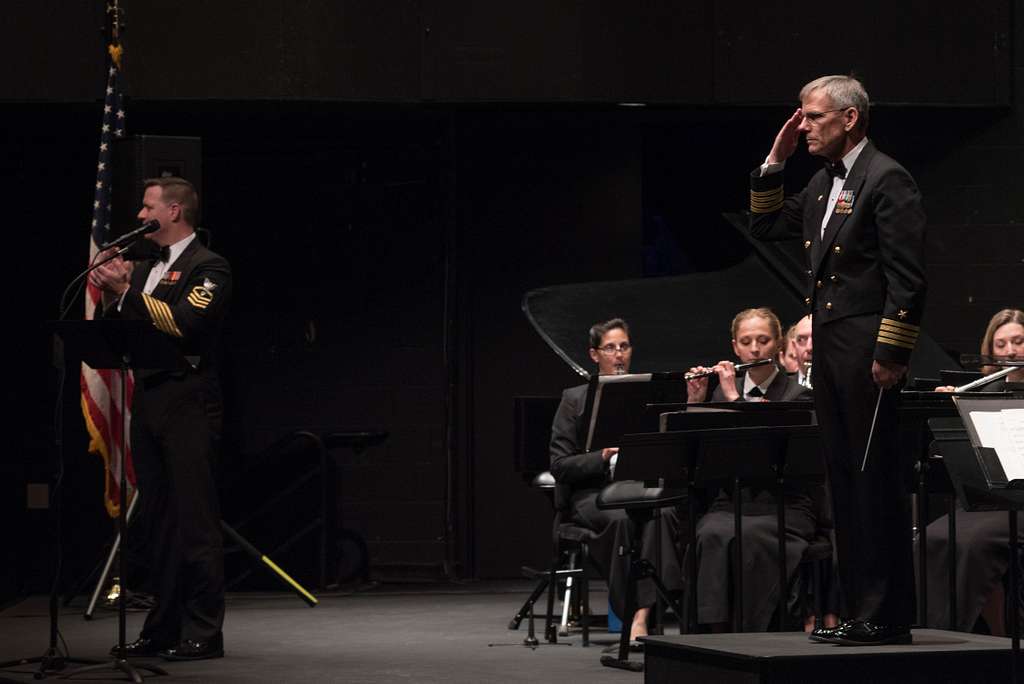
(755, 391)
(835, 169)
(163, 254)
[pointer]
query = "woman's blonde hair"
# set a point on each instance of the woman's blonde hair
(761, 312)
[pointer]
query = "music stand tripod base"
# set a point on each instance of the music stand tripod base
(120, 345)
(119, 664)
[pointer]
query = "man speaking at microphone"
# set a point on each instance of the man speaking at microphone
(862, 226)
(176, 421)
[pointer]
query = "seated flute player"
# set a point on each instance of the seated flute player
(756, 335)
(583, 474)
(982, 537)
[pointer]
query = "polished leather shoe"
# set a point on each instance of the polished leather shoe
(142, 647)
(826, 635)
(863, 633)
(190, 649)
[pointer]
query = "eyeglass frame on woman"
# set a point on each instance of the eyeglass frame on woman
(610, 349)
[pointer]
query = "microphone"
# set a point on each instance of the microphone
(130, 237)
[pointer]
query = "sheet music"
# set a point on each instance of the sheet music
(1003, 431)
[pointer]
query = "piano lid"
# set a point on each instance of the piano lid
(681, 321)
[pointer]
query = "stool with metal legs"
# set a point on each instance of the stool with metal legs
(641, 504)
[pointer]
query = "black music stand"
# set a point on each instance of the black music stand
(621, 404)
(121, 345)
(980, 479)
(52, 660)
(699, 446)
(926, 419)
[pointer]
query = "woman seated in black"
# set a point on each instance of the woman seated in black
(756, 335)
(982, 538)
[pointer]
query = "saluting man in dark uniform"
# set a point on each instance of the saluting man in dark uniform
(862, 227)
(176, 422)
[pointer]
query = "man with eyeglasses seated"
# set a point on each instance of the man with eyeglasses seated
(862, 226)
(585, 474)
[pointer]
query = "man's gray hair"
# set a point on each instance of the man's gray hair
(844, 91)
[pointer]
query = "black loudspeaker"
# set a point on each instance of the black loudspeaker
(139, 157)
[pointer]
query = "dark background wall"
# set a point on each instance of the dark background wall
(388, 179)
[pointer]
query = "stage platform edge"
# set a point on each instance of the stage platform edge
(935, 657)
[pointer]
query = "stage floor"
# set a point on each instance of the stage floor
(934, 656)
(458, 633)
(420, 633)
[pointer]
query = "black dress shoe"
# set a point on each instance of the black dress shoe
(190, 649)
(143, 647)
(862, 633)
(827, 635)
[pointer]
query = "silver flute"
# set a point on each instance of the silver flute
(740, 367)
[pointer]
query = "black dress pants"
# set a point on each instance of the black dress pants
(175, 430)
(871, 508)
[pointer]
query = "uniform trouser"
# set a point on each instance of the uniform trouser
(871, 508)
(715, 538)
(174, 440)
(616, 531)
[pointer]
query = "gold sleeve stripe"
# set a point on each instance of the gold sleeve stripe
(161, 315)
(766, 202)
(885, 339)
(894, 336)
(900, 324)
(898, 332)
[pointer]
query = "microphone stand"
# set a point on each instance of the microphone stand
(92, 267)
(53, 660)
(120, 661)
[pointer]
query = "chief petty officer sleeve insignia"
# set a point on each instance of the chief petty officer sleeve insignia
(767, 193)
(201, 295)
(161, 315)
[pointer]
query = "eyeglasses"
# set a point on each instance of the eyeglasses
(610, 349)
(814, 118)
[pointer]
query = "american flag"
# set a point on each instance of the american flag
(101, 389)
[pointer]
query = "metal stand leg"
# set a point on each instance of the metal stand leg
(737, 510)
(951, 556)
(563, 629)
(691, 569)
(524, 611)
(922, 538)
(637, 569)
(120, 662)
(780, 513)
(1014, 608)
(114, 550)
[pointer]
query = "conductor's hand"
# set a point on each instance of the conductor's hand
(787, 139)
(945, 388)
(726, 371)
(697, 388)
(111, 277)
(886, 373)
(608, 452)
